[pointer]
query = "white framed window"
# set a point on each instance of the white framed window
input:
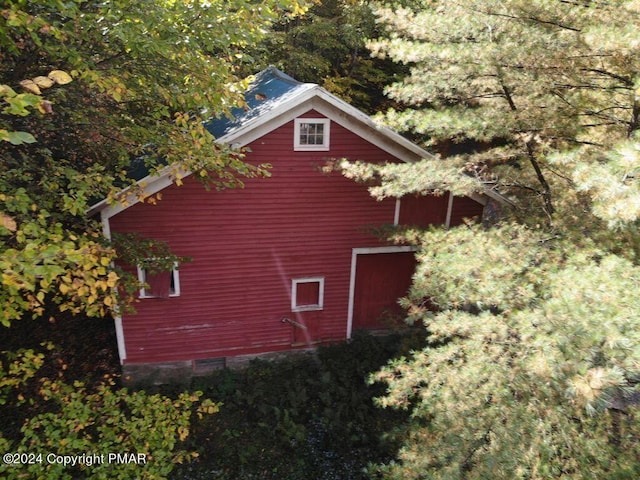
(311, 134)
(307, 294)
(159, 284)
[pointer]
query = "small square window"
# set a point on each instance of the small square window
(307, 294)
(159, 284)
(311, 134)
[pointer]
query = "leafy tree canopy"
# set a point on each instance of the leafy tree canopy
(85, 86)
(533, 366)
(326, 45)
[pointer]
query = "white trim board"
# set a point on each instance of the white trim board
(122, 350)
(352, 279)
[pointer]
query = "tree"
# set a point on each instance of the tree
(518, 81)
(532, 369)
(326, 45)
(139, 79)
(85, 87)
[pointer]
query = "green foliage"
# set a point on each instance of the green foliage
(84, 87)
(533, 363)
(72, 420)
(44, 263)
(16, 369)
(517, 82)
(326, 45)
(150, 254)
(310, 416)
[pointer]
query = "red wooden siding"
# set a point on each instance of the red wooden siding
(381, 279)
(247, 245)
(465, 208)
(423, 210)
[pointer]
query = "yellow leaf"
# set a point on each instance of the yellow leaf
(43, 82)
(183, 432)
(60, 77)
(112, 279)
(30, 86)
(7, 222)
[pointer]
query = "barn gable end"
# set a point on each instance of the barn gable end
(283, 263)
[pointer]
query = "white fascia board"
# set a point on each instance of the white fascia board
(312, 98)
(269, 121)
(368, 128)
(374, 132)
(148, 186)
(317, 98)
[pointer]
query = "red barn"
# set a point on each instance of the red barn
(287, 262)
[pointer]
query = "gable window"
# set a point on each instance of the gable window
(163, 284)
(307, 294)
(311, 134)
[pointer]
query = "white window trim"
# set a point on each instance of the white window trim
(312, 148)
(176, 282)
(294, 289)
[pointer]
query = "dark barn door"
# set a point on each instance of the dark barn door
(381, 279)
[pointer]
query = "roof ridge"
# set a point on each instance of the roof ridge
(273, 70)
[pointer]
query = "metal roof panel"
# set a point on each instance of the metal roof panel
(269, 89)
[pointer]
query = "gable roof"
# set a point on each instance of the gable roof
(274, 99)
(269, 89)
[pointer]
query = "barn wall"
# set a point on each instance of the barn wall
(465, 208)
(247, 245)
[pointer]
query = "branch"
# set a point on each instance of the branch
(507, 95)
(627, 81)
(634, 124)
(548, 204)
(533, 19)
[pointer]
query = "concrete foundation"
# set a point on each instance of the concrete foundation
(141, 375)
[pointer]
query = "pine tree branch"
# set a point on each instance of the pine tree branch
(626, 80)
(508, 97)
(532, 19)
(548, 205)
(546, 194)
(634, 124)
